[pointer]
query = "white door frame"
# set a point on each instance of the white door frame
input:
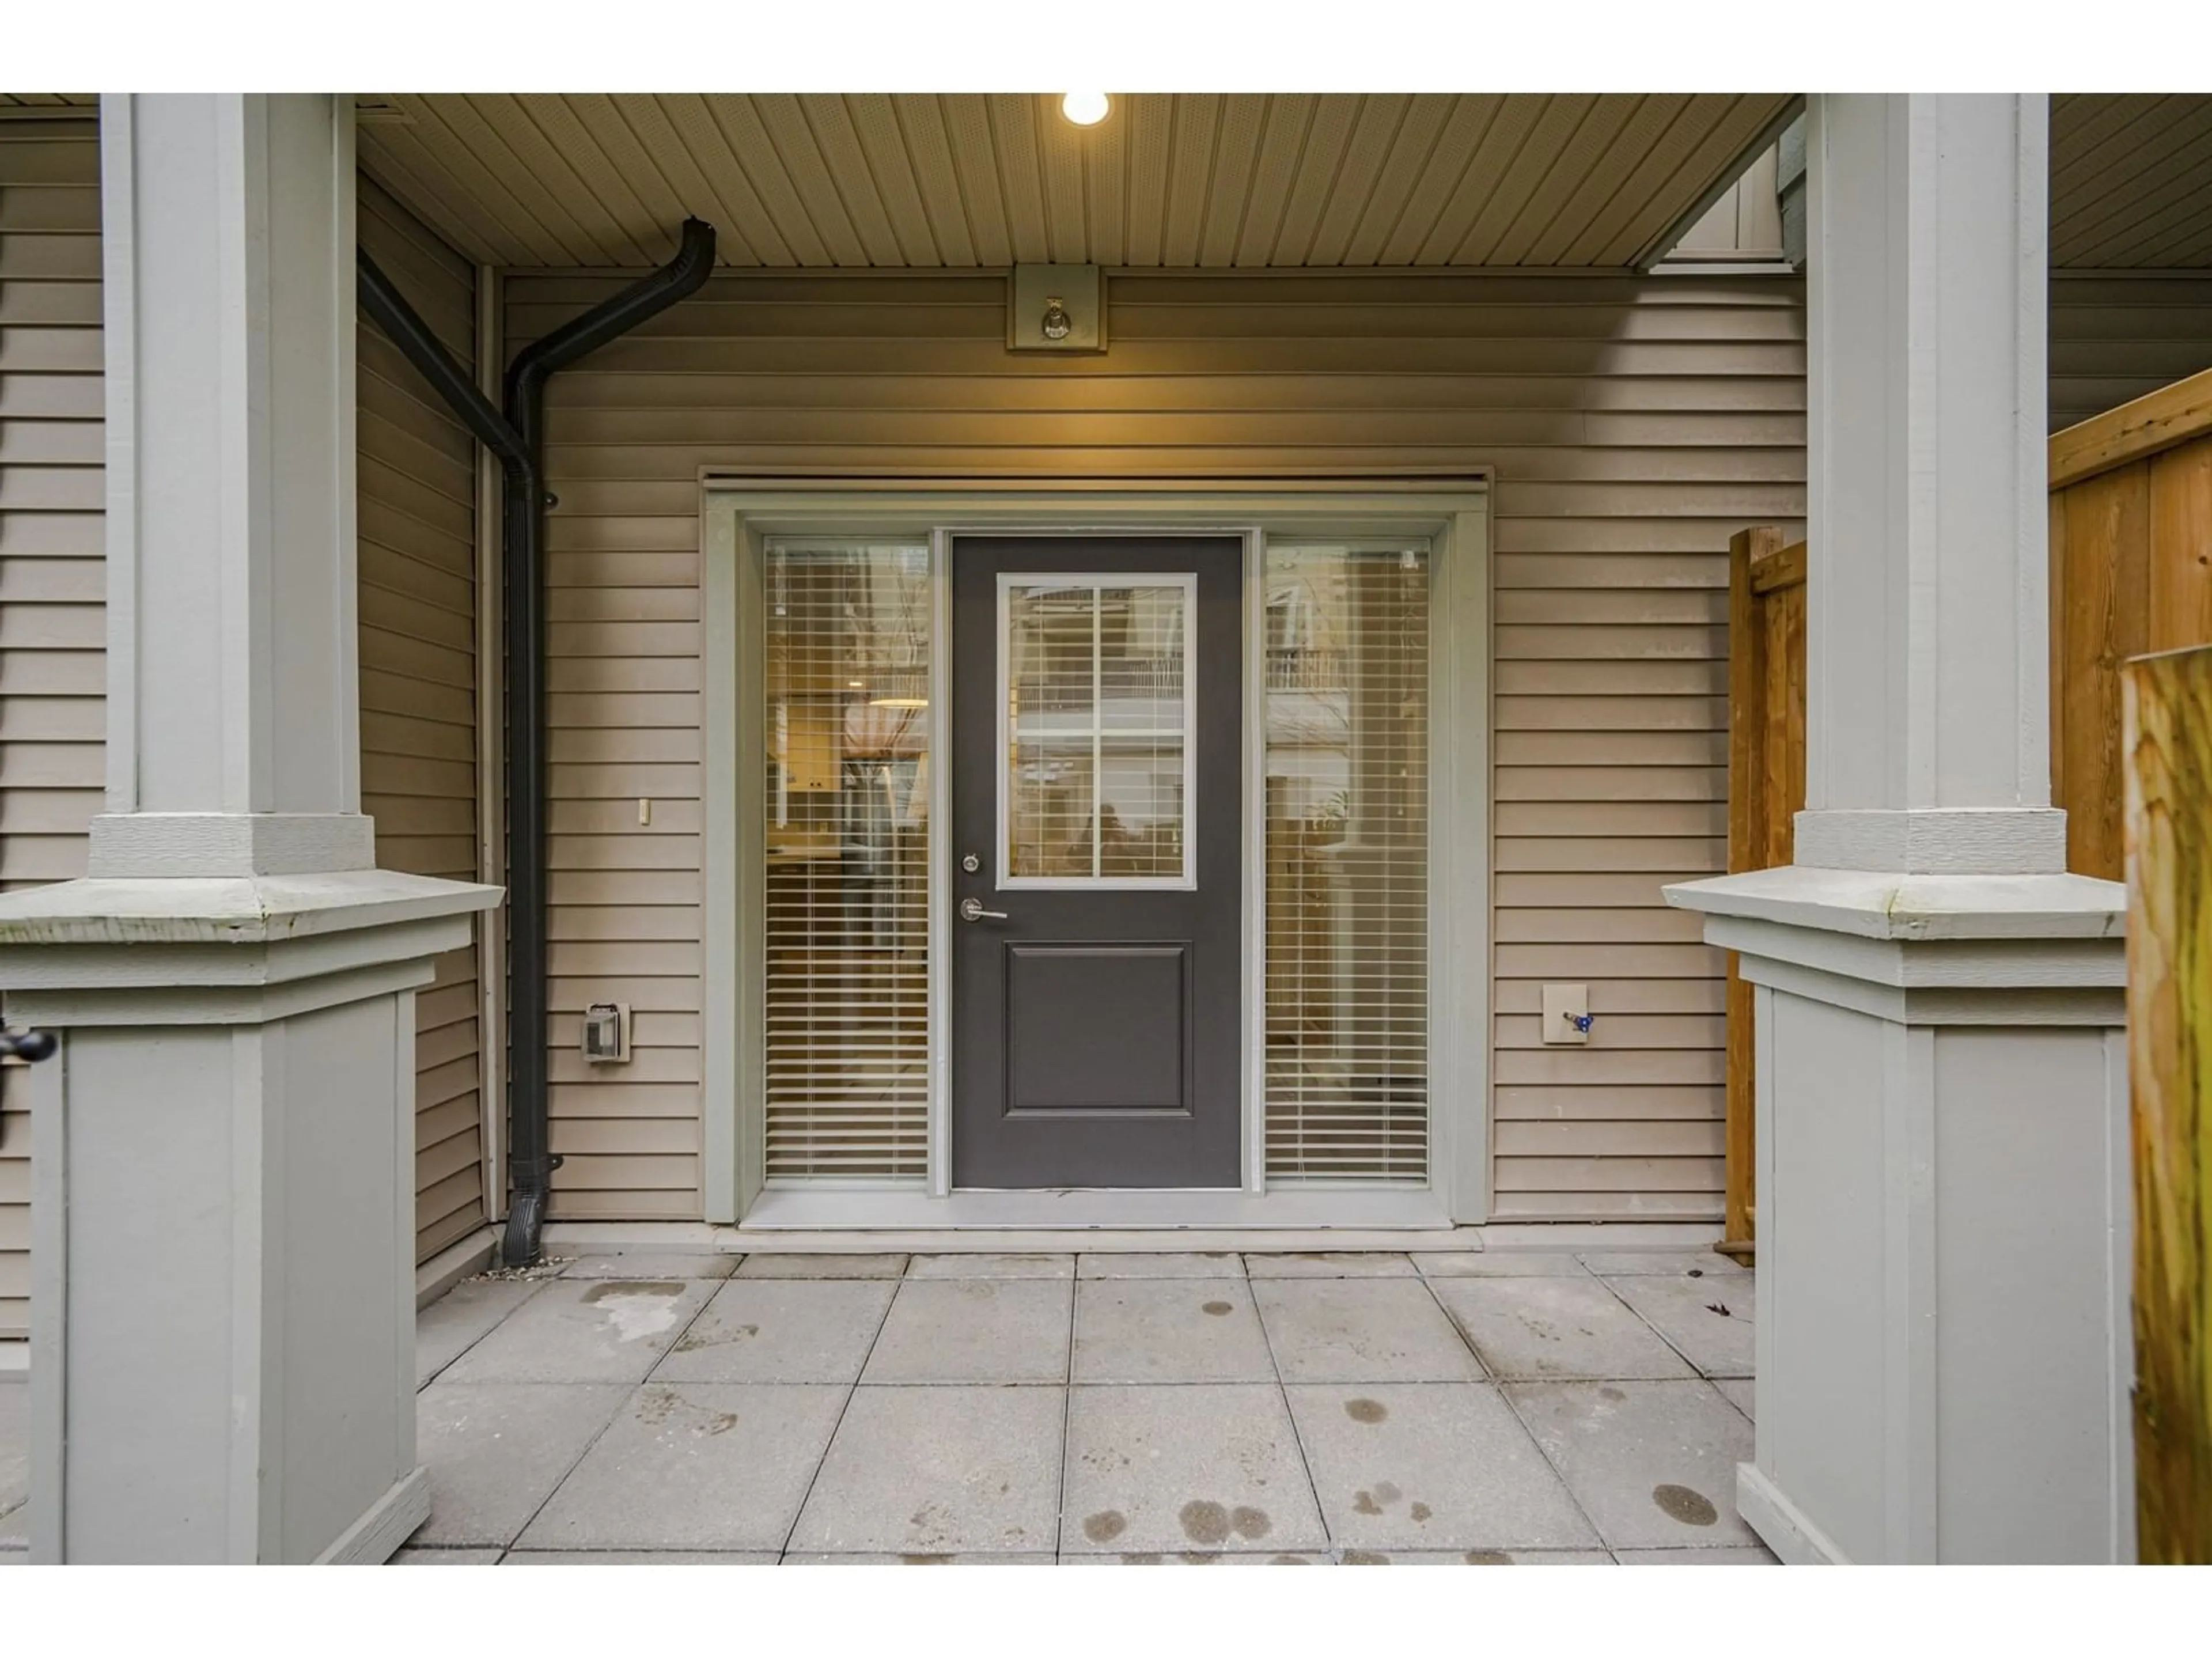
(739, 515)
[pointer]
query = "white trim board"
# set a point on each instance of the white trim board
(737, 516)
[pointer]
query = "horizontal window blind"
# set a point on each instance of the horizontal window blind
(846, 804)
(1347, 845)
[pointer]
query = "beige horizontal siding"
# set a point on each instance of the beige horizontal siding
(2114, 339)
(53, 590)
(1634, 424)
(418, 668)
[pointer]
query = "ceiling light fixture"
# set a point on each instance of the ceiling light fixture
(901, 688)
(1085, 109)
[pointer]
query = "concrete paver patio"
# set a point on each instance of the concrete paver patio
(1369, 1407)
(1483, 1407)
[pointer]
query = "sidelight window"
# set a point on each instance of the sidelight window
(1346, 844)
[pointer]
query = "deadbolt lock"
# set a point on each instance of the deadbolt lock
(971, 864)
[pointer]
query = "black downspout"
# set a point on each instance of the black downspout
(518, 439)
(529, 1160)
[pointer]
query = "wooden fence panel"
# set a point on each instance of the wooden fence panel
(2131, 572)
(1766, 788)
(2167, 723)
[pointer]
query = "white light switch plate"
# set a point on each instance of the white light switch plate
(1559, 1001)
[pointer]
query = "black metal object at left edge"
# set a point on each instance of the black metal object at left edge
(516, 436)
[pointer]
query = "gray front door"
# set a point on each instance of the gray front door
(1097, 841)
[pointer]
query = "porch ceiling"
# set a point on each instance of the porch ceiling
(966, 180)
(2128, 181)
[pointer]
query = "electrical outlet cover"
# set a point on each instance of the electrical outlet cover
(1563, 1005)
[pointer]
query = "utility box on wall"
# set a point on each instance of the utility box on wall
(1056, 308)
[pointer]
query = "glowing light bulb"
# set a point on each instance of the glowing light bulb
(1085, 109)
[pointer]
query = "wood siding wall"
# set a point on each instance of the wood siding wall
(2115, 338)
(418, 717)
(1634, 425)
(53, 591)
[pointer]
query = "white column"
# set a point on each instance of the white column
(222, 1302)
(1927, 742)
(1942, 1110)
(233, 741)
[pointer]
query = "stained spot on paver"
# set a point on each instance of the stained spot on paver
(1141, 1560)
(1249, 1523)
(1105, 1526)
(1720, 1308)
(720, 1422)
(1387, 1493)
(1692, 1509)
(1697, 1272)
(607, 1288)
(695, 1340)
(1199, 1558)
(1365, 1411)
(924, 1560)
(1488, 1558)
(637, 1309)
(1366, 1558)
(1608, 1392)
(1422, 1511)
(1205, 1522)
(1215, 1308)
(1365, 1502)
(1288, 1561)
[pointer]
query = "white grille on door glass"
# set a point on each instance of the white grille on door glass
(847, 843)
(1347, 855)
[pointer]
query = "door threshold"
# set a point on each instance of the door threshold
(789, 1208)
(840, 1236)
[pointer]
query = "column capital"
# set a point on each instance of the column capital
(223, 949)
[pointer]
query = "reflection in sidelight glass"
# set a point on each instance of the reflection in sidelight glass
(1346, 639)
(846, 835)
(1096, 731)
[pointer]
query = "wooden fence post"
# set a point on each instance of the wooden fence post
(1765, 787)
(2167, 739)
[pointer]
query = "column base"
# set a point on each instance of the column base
(1943, 1202)
(390, 1522)
(1795, 1541)
(222, 1303)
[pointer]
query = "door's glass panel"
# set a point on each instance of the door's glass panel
(1097, 732)
(846, 835)
(1347, 847)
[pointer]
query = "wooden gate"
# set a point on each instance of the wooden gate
(1766, 788)
(2168, 727)
(2131, 572)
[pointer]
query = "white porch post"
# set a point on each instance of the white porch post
(1942, 1183)
(222, 1308)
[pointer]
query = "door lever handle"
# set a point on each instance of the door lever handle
(971, 909)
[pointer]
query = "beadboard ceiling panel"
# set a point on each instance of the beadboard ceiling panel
(2130, 181)
(978, 181)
